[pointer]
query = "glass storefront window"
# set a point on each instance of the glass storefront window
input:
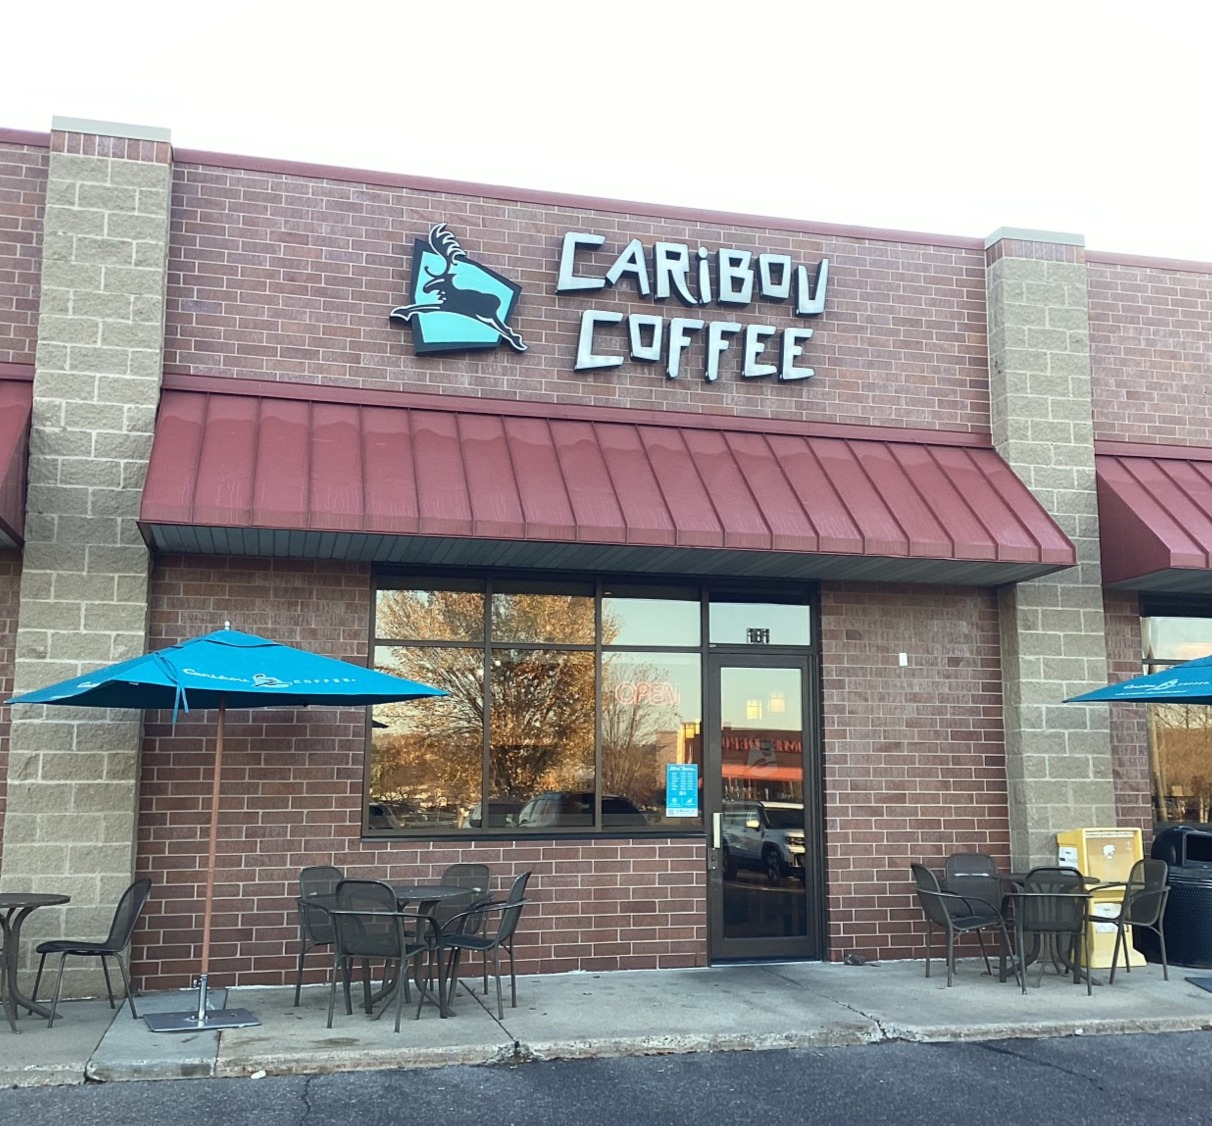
(431, 615)
(650, 715)
(1168, 641)
(742, 622)
(1180, 735)
(427, 756)
(542, 617)
(541, 723)
(572, 707)
(629, 619)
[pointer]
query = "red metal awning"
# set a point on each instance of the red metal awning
(16, 401)
(320, 472)
(1155, 517)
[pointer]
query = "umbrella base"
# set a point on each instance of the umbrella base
(189, 1022)
(200, 1019)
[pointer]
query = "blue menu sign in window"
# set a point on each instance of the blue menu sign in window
(681, 789)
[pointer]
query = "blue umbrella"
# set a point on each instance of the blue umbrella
(228, 669)
(1188, 683)
(224, 669)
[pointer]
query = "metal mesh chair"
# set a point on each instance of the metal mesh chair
(1052, 906)
(477, 879)
(4, 985)
(974, 875)
(474, 877)
(457, 939)
(366, 925)
(1144, 905)
(126, 915)
(955, 914)
(317, 887)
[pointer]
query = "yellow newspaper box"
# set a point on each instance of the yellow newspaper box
(1107, 856)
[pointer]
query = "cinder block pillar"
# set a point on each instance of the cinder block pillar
(1058, 756)
(73, 774)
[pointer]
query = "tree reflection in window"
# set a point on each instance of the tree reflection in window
(431, 765)
(541, 722)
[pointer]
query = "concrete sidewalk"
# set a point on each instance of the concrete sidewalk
(728, 1008)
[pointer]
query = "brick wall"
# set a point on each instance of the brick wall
(915, 761)
(1150, 351)
(1129, 727)
(10, 590)
(22, 198)
(291, 797)
(291, 277)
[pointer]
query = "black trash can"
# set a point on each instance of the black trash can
(1187, 851)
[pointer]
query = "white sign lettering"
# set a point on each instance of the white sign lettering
(729, 277)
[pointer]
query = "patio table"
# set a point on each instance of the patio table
(1062, 959)
(15, 908)
(427, 897)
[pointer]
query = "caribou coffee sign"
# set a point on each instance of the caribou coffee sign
(460, 305)
(726, 278)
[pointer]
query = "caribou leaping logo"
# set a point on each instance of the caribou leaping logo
(457, 304)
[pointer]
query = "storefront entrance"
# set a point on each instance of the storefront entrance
(762, 795)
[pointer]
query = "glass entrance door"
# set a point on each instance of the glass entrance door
(762, 798)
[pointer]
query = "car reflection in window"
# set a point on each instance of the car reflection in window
(767, 837)
(567, 809)
(501, 815)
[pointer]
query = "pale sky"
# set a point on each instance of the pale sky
(946, 116)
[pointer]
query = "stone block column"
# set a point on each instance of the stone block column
(1058, 756)
(73, 775)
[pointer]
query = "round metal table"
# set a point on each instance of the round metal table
(427, 897)
(15, 907)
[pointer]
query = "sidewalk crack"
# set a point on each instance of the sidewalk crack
(885, 1035)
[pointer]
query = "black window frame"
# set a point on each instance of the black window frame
(699, 590)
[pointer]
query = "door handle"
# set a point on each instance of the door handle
(717, 822)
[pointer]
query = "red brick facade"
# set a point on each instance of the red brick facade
(1150, 343)
(914, 760)
(291, 277)
(22, 195)
(1129, 734)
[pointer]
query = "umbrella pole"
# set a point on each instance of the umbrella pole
(211, 858)
(203, 1018)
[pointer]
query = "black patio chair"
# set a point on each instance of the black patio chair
(4, 985)
(477, 879)
(1052, 906)
(366, 925)
(126, 915)
(974, 875)
(317, 887)
(956, 915)
(1144, 905)
(458, 937)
